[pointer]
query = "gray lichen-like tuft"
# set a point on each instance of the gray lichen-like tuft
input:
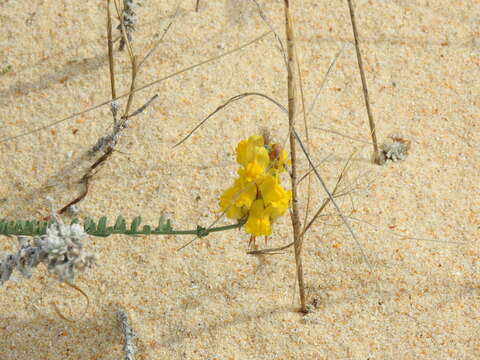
(60, 249)
(395, 148)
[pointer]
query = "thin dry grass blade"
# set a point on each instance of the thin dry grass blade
(225, 104)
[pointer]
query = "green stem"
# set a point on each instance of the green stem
(38, 228)
(200, 231)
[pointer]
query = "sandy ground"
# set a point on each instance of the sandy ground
(419, 299)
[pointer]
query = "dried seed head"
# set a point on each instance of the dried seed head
(275, 151)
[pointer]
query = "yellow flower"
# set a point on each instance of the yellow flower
(275, 196)
(257, 194)
(253, 156)
(246, 149)
(258, 222)
(236, 200)
(253, 171)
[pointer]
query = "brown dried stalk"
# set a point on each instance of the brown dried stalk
(110, 52)
(371, 122)
(296, 225)
(109, 149)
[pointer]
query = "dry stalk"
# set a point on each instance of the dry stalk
(132, 87)
(110, 53)
(60, 314)
(337, 208)
(371, 122)
(132, 60)
(128, 334)
(224, 105)
(117, 126)
(296, 225)
(307, 137)
(152, 50)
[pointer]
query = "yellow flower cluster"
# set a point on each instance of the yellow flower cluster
(257, 194)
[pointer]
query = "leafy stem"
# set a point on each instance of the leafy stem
(100, 229)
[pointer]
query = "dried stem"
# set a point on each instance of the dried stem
(326, 201)
(110, 52)
(307, 137)
(268, 23)
(310, 223)
(322, 182)
(108, 142)
(335, 194)
(151, 51)
(376, 154)
(60, 314)
(225, 104)
(297, 237)
(132, 85)
(123, 29)
(86, 178)
(132, 60)
(343, 135)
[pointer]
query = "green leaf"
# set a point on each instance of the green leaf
(89, 225)
(135, 223)
(102, 225)
(11, 227)
(29, 227)
(146, 230)
(36, 227)
(163, 226)
(161, 222)
(120, 225)
(20, 226)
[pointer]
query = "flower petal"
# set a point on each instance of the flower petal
(275, 196)
(236, 200)
(258, 222)
(246, 149)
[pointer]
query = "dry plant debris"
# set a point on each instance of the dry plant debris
(129, 347)
(395, 148)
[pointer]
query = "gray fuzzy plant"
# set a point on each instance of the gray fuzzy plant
(60, 250)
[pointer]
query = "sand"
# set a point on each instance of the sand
(419, 299)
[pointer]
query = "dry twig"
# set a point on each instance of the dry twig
(297, 237)
(371, 122)
(129, 336)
